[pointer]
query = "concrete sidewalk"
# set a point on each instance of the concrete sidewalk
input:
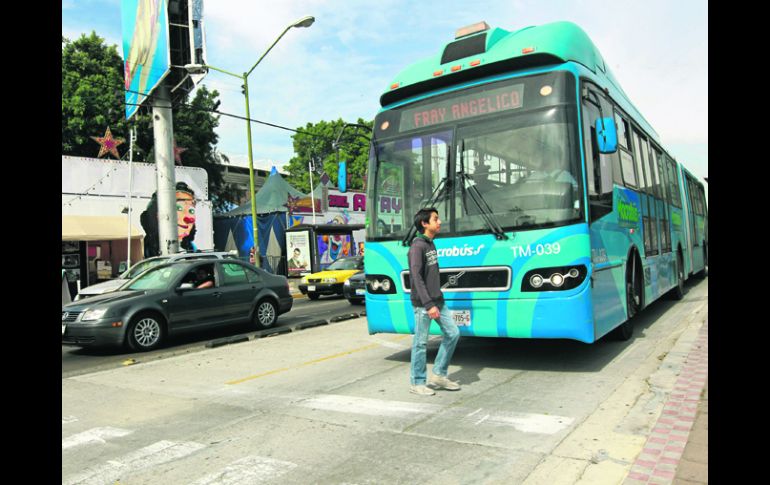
(676, 450)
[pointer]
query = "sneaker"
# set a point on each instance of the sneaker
(442, 382)
(422, 390)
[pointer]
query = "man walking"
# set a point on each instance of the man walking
(428, 304)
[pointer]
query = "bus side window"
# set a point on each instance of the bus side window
(627, 175)
(673, 183)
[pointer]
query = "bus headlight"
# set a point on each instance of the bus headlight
(536, 281)
(553, 279)
(380, 284)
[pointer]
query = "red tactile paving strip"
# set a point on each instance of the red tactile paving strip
(659, 459)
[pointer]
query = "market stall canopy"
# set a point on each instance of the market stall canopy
(97, 228)
(272, 197)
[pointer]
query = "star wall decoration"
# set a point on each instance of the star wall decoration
(108, 144)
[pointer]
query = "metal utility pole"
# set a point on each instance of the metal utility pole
(163, 131)
(130, 189)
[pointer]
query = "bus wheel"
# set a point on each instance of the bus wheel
(633, 302)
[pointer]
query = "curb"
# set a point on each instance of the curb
(281, 330)
(226, 341)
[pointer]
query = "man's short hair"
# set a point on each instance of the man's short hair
(423, 215)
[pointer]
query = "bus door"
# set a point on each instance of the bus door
(666, 263)
(693, 214)
(646, 194)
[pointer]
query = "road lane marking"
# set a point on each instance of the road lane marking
(252, 469)
(95, 435)
(372, 407)
(147, 457)
(528, 422)
(311, 362)
(380, 343)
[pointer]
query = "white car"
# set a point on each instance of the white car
(144, 265)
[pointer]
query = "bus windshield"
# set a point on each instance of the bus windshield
(514, 166)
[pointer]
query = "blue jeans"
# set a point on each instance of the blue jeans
(450, 336)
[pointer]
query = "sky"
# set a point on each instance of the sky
(339, 67)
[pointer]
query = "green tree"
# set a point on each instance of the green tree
(93, 98)
(316, 140)
(92, 95)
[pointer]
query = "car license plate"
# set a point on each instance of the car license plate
(311, 288)
(360, 291)
(63, 327)
(462, 318)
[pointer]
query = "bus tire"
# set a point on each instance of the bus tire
(633, 299)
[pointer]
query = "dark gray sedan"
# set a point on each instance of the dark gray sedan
(174, 298)
(355, 288)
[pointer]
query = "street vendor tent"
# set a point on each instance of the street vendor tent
(235, 227)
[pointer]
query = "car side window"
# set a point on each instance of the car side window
(254, 276)
(233, 274)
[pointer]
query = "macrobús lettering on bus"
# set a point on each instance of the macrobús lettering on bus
(465, 109)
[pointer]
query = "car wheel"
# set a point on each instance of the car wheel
(265, 314)
(146, 332)
(312, 295)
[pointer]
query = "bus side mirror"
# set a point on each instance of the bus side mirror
(606, 135)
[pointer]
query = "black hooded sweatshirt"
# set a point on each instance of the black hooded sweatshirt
(424, 273)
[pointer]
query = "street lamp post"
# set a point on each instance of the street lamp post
(199, 68)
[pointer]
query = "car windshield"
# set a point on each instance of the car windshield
(142, 266)
(156, 278)
(347, 263)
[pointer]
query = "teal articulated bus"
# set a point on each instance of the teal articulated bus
(563, 214)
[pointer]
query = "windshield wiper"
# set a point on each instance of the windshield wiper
(442, 186)
(486, 212)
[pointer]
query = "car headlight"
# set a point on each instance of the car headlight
(93, 314)
(347, 283)
(330, 280)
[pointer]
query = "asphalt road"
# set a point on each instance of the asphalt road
(331, 404)
(77, 360)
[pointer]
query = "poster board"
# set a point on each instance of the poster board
(298, 252)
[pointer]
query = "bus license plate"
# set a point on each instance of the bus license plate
(311, 288)
(462, 318)
(360, 291)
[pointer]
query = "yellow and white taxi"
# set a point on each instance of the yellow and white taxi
(331, 280)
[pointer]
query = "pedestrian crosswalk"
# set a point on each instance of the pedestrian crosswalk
(121, 459)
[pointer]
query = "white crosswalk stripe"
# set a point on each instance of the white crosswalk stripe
(95, 435)
(523, 422)
(252, 469)
(372, 407)
(147, 457)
